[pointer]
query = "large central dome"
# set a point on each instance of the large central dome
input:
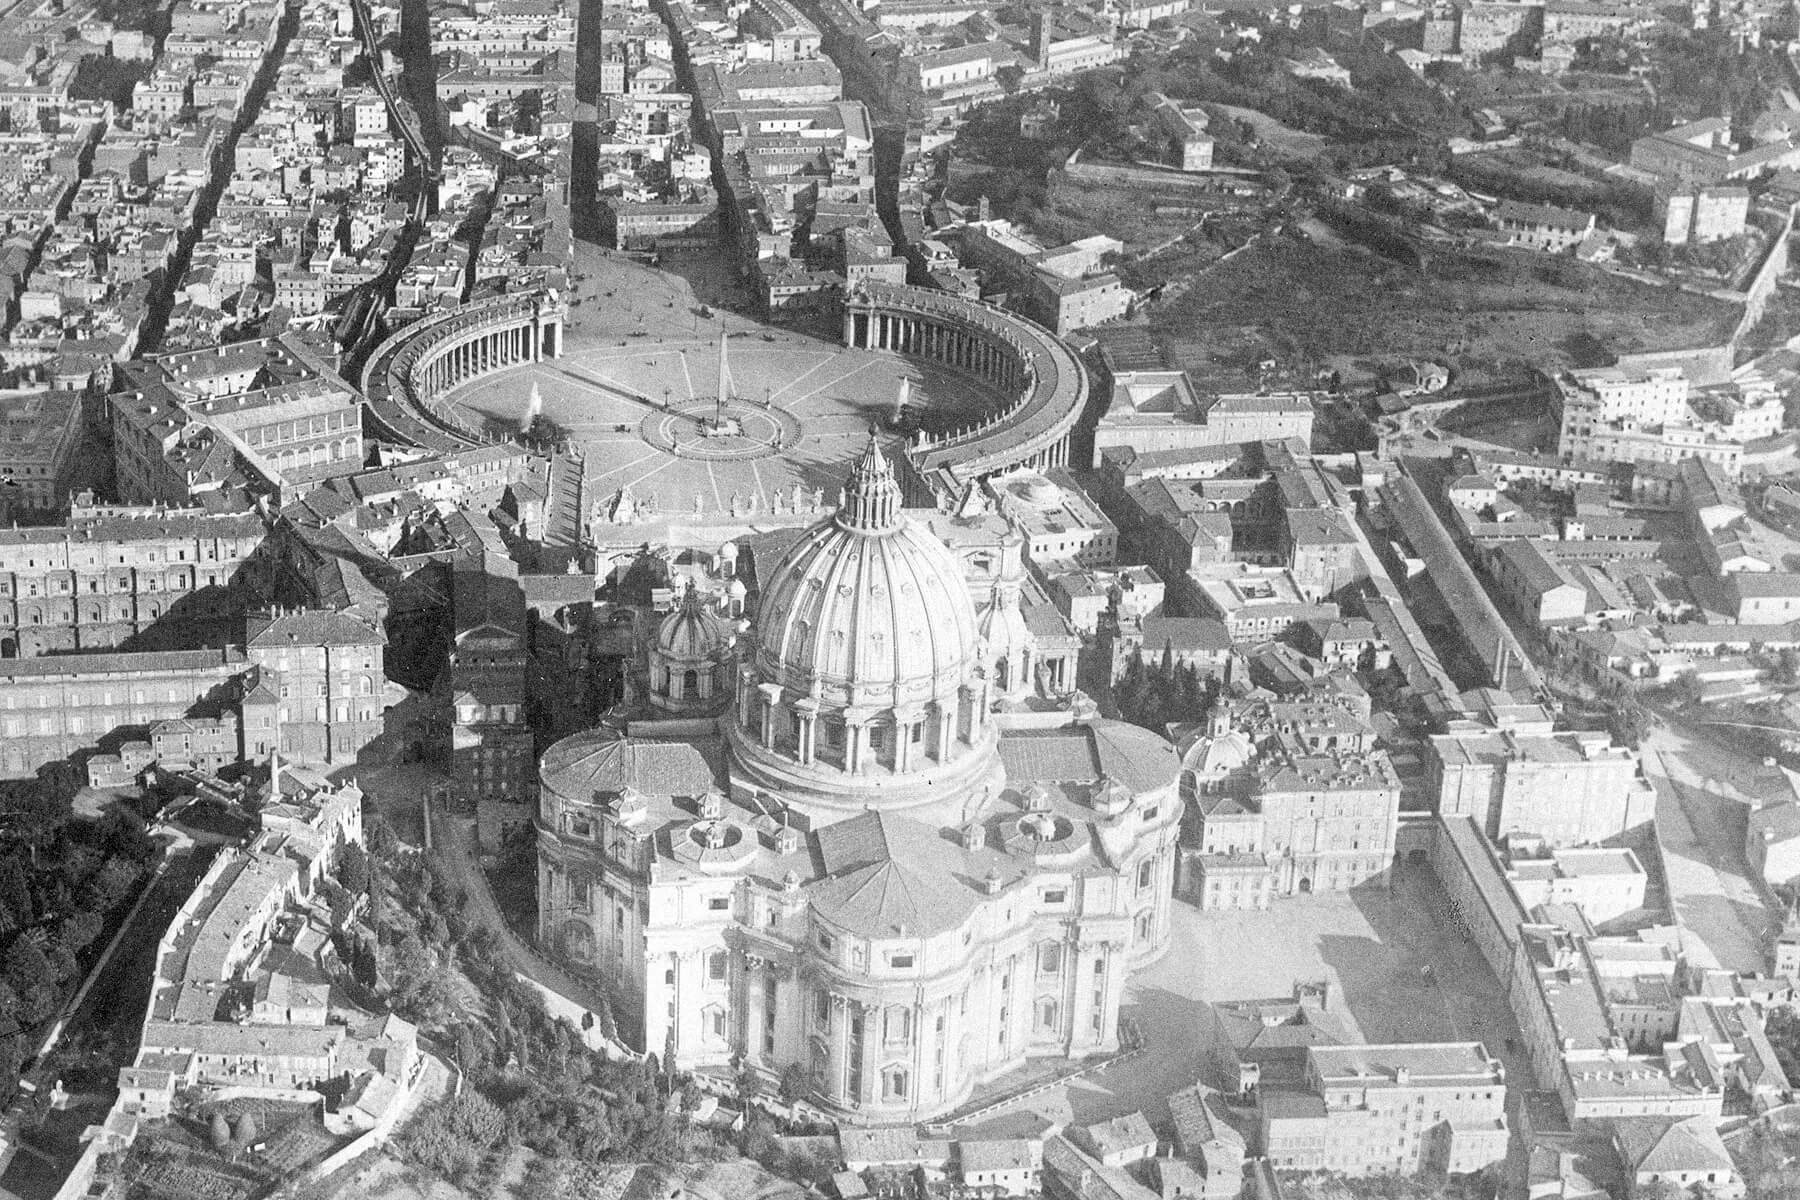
(867, 608)
(866, 687)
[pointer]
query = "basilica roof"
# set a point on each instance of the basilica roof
(889, 877)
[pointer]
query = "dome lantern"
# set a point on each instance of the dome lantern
(871, 502)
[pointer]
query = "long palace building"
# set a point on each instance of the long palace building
(842, 843)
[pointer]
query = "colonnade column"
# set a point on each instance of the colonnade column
(946, 739)
(806, 713)
(746, 688)
(853, 746)
(771, 693)
(905, 721)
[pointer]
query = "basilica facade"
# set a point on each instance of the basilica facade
(850, 838)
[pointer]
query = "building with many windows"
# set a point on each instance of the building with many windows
(272, 404)
(107, 575)
(1289, 797)
(53, 706)
(326, 675)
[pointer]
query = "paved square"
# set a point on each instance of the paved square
(646, 415)
(1372, 945)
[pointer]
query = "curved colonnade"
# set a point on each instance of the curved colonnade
(417, 364)
(1019, 358)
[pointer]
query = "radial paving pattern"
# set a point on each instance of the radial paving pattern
(644, 414)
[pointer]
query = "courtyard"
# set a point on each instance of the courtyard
(1372, 946)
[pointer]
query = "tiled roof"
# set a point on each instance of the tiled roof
(1655, 1145)
(311, 627)
(890, 874)
(140, 663)
(1135, 757)
(606, 762)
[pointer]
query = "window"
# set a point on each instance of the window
(669, 977)
(897, 1024)
(826, 941)
(1055, 895)
(719, 903)
(716, 964)
(718, 1022)
(900, 961)
(1146, 872)
(822, 1007)
(1049, 958)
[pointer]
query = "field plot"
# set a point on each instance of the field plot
(169, 1172)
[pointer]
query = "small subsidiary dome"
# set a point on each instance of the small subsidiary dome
(692, 631)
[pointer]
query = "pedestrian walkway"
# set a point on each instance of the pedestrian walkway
(452, 837)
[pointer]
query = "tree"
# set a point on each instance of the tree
(1629, 721)
(26, 967)
(15, 891)
(244, 1136)
(113, 882)
(794, 1083)
(1783, 1029)
(468, 1057)
(353, 869)
(220, 1132)
(79, 929)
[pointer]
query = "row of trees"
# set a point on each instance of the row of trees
(1168, 692)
